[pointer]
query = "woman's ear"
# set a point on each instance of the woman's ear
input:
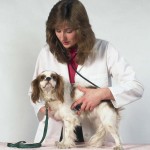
(35, 90)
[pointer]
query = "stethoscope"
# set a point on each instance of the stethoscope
(64, 51)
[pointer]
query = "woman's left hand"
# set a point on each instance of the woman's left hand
(91, 98)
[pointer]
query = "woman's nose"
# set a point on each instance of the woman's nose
(63, 36)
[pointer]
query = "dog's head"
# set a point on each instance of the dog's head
(47, 82)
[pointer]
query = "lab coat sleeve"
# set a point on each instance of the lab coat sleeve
(127, 88)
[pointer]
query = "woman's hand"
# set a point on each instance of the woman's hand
(91, 98)
(43, 110)
(50, 113)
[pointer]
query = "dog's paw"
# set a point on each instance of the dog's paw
(94, 142)
(97, 145)
(62, 145)
(118, 148)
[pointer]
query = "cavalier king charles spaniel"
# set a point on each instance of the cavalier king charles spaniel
(59, 95)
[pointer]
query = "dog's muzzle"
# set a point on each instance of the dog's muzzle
(48, 78)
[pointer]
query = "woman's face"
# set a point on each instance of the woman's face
(67, 36)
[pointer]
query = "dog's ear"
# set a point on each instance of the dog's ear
(35, 90)
(60, 88)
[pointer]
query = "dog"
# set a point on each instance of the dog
(57, 93)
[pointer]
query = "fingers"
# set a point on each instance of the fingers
(78, 102)
(81, 105)
(81, 100)
(85, 107)
(87, 101)
(82, 89)
(91, 108)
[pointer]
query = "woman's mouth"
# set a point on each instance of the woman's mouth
(65, 43)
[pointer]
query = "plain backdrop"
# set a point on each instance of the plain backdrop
(125, 23)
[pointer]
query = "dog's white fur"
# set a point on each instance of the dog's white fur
(52, 88)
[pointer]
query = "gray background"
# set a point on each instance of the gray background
(125, 23)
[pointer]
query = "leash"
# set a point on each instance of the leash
(23, 144)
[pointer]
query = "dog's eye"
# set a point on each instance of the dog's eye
(42, 77)
(53, 76)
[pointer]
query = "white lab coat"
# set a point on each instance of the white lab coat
(101, 67)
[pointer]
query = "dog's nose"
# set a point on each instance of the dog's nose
(48, 78)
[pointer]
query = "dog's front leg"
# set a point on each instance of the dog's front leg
(69, 136)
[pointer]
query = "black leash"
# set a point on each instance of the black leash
(23, 144)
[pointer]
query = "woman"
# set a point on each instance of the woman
(71, 41)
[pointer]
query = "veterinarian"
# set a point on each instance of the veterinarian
(71, 41)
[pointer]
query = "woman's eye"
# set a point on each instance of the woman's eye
(69, 31)
(65, 31)
(58, 31)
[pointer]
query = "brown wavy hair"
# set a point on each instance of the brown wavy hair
(74, 14)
